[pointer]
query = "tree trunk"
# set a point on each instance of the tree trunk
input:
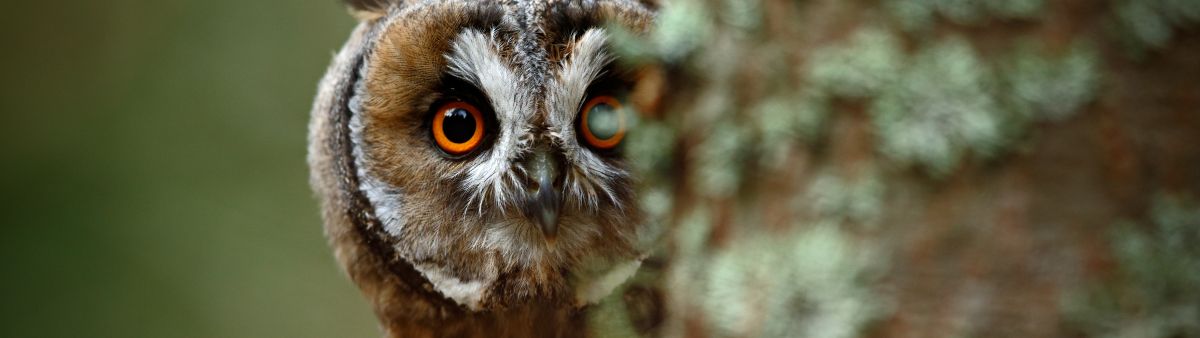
(929, 168)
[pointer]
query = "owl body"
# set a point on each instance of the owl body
(466, 155)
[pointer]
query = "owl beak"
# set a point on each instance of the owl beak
(545, 203)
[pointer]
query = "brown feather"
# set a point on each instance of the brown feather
(405, 62)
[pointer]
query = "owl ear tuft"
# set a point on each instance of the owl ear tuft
(369, 9)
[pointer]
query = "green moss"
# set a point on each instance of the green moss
(735, 287)
(624, 313)
(805, 284)
(632, 49)
(785, 119)
(1143, 24)
(693, 232)
(744, 16)
(916, 15)
(682, 27)
(1015, 8)
(655, 203)
(940, 110)
(1150, 24)
(912, 15)
(948, 104)
(961, 11)
(720, 159)
(812, 282)
(1155, 292)
(650, 148)
(840, 199)
(609, 318)
(1051, 88)
(687, 265)
(862, 66)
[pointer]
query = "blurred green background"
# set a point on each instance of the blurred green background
(154, 182)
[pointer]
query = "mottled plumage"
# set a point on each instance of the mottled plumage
(515, 238)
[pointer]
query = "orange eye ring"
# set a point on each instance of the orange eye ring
(585, 127)
(453, 130)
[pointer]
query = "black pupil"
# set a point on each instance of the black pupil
(458, 125)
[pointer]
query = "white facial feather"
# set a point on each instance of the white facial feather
(583, 66)
(473, 58)
(492, 177)
(386, 199)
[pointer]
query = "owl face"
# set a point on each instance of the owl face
(485, 138)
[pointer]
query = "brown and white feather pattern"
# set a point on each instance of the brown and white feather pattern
(441, 246)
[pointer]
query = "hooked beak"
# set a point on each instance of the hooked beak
(544, 202)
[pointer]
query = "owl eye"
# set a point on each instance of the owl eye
(458, 127)
(602, 122)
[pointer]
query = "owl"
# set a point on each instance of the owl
(467, 156)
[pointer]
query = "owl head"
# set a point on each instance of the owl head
(468, 154)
